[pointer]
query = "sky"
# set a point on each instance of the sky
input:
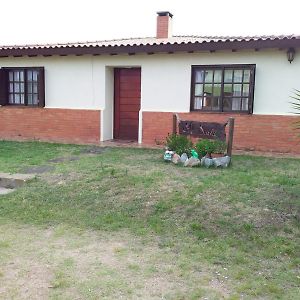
(40, 21)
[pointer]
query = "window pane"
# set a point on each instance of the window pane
(236, 103)
(228, 75)
(207, 103)
(35, 87)
(16, 76)
(17, 87)
(17, 98)
(11, 87)
(199, 75)
(245, 102)
(22, 98)
(29, 75)
(208, 88)
(32, 99)
(216, 103)
(11, 98)
(34, 75)
(29, 88)
(21, 76)
(198, 89)
(209, 76)
(246, 90)
(29, 99)
(227, 104)
(218, 76)
(198, 103)
(246, 75)
(237, 90)
(227, 89)
(11, 76)
(217, 89)
(238, 76)
(22, 87)
(35, 99)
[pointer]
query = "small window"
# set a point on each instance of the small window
(22, 86)
(224, 88)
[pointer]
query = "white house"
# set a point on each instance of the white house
(130, 88)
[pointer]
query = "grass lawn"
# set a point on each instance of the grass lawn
(123, 224)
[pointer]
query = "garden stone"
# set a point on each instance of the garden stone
(183, 157)
(4, 191)
(176, 159)
(207, 162)
(222, 161)
(192, 162)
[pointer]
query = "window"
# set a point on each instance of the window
(22, 86)
(223, 88)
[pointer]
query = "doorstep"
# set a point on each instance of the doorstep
(127, 144)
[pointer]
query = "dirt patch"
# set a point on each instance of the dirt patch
(25, 279)
(94, 150)
(63, 159)
(61, 179)
(38, 169)
(65, 263)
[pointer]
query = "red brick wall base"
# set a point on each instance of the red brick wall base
(252, 132)
(49, 124)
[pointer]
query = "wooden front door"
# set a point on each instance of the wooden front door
(127, 97)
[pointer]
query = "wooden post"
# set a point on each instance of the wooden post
(174, 123)
(230, 136)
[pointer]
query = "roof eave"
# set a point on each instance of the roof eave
(156, 48)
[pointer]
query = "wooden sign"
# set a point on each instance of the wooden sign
(205, 130)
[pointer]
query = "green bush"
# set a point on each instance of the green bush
(207, 147)
(296, 106)
(179, 143)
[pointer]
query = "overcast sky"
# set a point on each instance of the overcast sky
(40, 21)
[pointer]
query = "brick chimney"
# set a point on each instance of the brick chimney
(164, 25)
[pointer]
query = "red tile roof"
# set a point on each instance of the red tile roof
(139, 45)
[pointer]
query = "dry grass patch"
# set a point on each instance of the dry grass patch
(60, 262)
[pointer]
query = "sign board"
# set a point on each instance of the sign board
(206, 130)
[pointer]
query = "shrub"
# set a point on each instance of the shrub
(296, 106)
(207, 147)
(179, 143)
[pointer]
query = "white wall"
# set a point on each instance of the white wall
(68, 80)
(86, 82)
(81, 83)
(167, 79)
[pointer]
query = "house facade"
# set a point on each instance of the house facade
(130, 89)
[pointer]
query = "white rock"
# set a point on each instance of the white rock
(221, 161)
(192, 162)
(183, 157)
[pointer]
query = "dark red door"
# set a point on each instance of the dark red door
(127, 93)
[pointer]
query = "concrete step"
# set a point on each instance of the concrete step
(4, 191)
(12, 181)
